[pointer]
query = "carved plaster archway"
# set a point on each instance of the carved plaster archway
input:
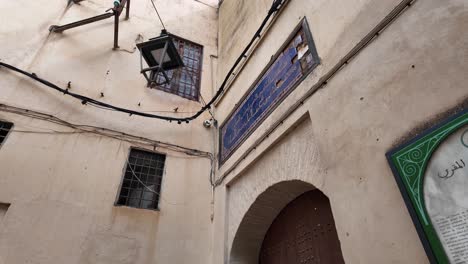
(255, 223)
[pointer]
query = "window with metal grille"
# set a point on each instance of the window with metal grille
(4, 130)
(141, 184)
(185, 81)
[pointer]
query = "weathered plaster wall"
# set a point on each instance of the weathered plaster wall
(350, 123)
(62, 187)
(295, 157)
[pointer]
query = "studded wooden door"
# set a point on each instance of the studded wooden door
(303, 233)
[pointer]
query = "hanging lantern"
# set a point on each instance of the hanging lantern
(161, 55)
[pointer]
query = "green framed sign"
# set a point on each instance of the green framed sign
(432, 173)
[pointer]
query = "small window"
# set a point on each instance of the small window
(141, 184)
(185, 81)
(4, 130)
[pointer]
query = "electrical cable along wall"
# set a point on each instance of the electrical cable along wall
(85, 100)
(276, 6)
(109, 133)
(83, 164)
(322, 82)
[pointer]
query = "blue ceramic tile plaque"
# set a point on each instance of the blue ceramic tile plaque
(296, 59)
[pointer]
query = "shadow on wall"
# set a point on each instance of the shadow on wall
(254, 225)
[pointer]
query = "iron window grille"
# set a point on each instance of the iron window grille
(141, 184)
(185, 81)
(5, 128)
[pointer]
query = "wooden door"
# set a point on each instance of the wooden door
(303, 233)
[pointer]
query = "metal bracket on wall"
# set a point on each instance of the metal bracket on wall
(116, 11)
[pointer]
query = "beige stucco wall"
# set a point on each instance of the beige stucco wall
(62, 187)
(338, 139)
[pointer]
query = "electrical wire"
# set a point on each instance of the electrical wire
(47, 132)
(276, 6)
(141, 182)
(189, 73)
(155, 9)
(322, 82)
(84, 99)
(102, 131)
(146, 186)
(203, 3)
(168, 111)
(127, 50)
(110, 133)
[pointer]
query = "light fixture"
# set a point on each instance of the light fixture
(119, 5)
(161, 55)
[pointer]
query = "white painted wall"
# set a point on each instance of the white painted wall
(346, 127)
(62, 187)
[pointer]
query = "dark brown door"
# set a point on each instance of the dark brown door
(303, 233)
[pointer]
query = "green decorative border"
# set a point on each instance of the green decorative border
(409, 164)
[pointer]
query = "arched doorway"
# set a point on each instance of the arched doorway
(303, 232)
